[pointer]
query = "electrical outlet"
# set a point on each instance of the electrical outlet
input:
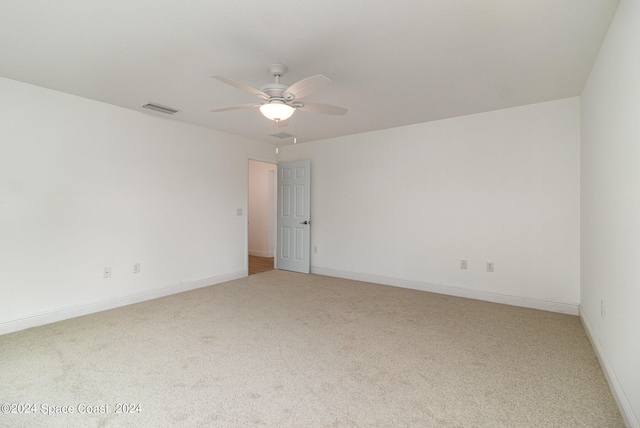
(463, 264)
(239, 211)
(489, 266)
(136, 268)
(315, 249)
(107, 272)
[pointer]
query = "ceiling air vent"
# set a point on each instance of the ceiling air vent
(282, 135)
(160, 108)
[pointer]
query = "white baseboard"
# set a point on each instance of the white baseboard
(563, 308)
(60, 314)
(630, 419)
(260, 253)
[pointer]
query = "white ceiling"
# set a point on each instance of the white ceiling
(391, 63)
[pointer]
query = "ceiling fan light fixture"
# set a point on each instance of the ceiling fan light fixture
(277, 110)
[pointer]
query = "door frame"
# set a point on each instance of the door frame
(274, 213)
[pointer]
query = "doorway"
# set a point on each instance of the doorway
(261, 216)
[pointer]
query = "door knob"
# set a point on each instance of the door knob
(305, 222)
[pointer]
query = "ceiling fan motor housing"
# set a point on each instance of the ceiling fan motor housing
(274, 90)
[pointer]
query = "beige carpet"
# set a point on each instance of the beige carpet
(280, 349)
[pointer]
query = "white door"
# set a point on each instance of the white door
(294, 221)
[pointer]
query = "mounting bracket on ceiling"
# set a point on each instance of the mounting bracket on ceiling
(277, 70)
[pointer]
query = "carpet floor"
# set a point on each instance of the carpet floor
(280, 349)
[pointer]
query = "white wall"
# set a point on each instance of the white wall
(403, 206)
(86, 185)
(262, 202)
(611, 207)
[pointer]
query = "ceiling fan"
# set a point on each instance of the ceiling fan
(281, 101)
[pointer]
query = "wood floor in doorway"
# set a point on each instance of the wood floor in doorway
(260, 264)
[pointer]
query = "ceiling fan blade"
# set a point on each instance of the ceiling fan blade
(241, 86)
(306, 86)
(323, 109)
(235, 107)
